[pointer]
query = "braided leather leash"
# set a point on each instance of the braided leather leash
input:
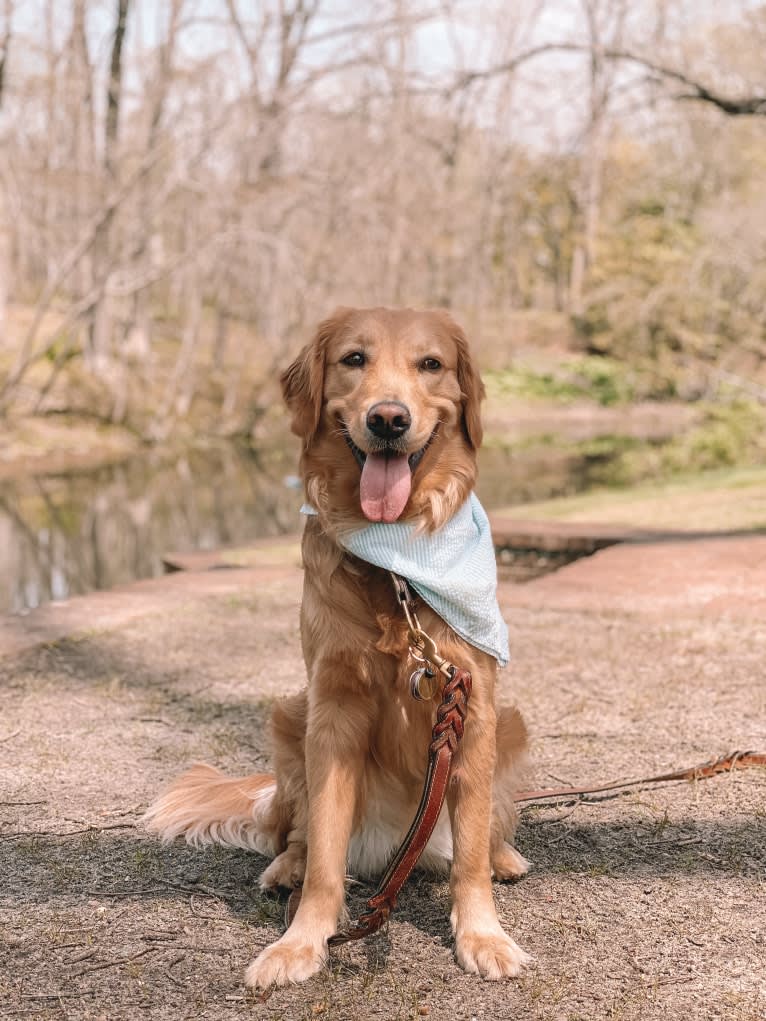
(447, 732)
(705, 770)
(445, 737)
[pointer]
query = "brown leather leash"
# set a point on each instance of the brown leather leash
(445, 737)
(447, 732)
(705, 770)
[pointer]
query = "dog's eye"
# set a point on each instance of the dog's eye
(355, 360)
(430, 365)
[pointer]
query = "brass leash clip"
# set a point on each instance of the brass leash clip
(423, 680)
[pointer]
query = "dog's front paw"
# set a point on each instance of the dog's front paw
(285, 961)
(493, 955)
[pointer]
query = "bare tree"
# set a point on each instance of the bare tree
(602, 18)
(175, 209)
(6, 33)
(100, 332)
(5, 43)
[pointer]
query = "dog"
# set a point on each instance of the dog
(386, 403)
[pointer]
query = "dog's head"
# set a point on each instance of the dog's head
(386, 402)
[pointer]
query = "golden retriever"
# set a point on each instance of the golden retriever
(386, 403)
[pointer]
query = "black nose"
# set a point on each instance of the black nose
(389, 419)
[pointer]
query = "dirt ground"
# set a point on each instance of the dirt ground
(646, 906)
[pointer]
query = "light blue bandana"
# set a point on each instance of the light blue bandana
(453, 570)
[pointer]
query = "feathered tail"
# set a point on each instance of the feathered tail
(206, 807)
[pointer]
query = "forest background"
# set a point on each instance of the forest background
(186, 187)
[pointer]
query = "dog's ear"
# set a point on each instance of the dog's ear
(471, 390)
(471, 386)
(302, 383)
(303, 380)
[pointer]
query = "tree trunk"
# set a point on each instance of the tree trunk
(5, 263)
(5, 43)
(103, 316)
(5, 223)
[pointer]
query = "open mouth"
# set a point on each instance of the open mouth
(386, 481)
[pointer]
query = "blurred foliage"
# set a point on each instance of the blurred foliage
(679, 271)
(728, 435)
(603, 380)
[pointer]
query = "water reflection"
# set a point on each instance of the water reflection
(539, 472)
(62, 535)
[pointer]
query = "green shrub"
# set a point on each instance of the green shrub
(603, 380)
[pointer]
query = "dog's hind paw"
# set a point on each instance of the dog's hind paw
(283, 962)
(493, 955)
(507, 863)
(287, 870)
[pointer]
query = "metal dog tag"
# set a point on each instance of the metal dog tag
(423, 684)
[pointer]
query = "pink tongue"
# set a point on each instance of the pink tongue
(385, 486)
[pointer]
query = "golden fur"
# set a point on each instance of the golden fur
(350, 750)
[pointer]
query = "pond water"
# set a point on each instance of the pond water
(66, 534)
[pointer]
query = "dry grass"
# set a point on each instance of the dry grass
(727, 499)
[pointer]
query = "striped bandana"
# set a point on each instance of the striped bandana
(453, 570)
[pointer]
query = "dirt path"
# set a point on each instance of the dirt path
(649, 906)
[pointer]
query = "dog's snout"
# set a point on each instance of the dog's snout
(389, 419)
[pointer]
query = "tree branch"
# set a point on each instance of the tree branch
(743, 106)
(115, 85)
